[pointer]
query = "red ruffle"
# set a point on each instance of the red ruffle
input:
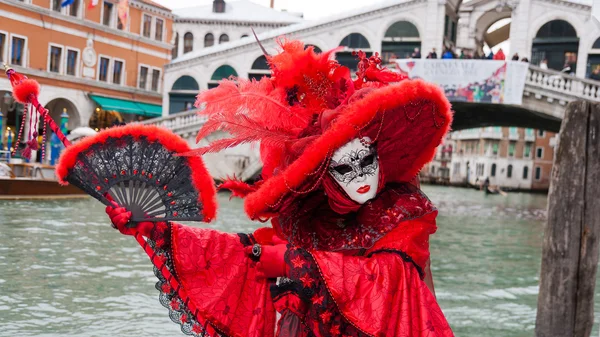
(220, 281)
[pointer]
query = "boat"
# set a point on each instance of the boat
(20, 181)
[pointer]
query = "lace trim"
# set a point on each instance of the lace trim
(168, 297)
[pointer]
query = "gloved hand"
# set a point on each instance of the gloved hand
(120, 217)
(271, 263)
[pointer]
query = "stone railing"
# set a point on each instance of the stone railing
(563, 84)
(179, 123)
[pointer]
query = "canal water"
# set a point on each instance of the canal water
(65, 272)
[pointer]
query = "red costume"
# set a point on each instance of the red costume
(348, 268)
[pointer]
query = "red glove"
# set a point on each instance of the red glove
(271, 263)
(120, 217)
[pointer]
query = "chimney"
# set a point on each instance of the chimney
(272, 3)
(218, 6)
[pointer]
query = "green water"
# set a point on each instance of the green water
(65, 272)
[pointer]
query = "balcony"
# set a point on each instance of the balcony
(466, 134)
(492, 133)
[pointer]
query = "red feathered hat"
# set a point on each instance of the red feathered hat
(310, 107)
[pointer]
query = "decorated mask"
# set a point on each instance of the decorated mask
(355, 167)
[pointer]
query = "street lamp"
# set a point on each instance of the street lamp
(8, 98)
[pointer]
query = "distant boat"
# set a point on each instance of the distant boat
(33, 181)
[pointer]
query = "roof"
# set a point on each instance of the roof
(272, 34)
(155, 4)
(242, 10)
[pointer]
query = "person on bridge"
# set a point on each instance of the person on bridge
(350, 231)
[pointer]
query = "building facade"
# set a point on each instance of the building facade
(513, 158)
(203, 27)
(89, 62)
(437, 171)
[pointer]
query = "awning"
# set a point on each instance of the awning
(128, 107)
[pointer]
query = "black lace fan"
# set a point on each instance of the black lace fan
(139, 168)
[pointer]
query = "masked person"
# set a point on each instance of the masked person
(349, 240)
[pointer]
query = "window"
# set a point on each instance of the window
(480, 169)
(155, 79)
(493, 170)
(539, 152)
(107, 13)
(509, 171)
(541, 133)
(56, 5)
(143, 77)
(538, 173)
(72, 62)
(103, 69)
(209, 40)
(117, 72)
(55, 59)
(223, 38)
(433, 170)
(74, 8)
(527, 151)
(17, 55)
(120, 25)
(2, 47)
(245, 35)
(525, 172)
(495, 146)
(158, 35)
(188, 42)
(147, 26)
(511, 149)
(175, 50)
(219, 6)
(456, 168)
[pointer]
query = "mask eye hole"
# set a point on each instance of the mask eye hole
(368, 160)
(342, 169)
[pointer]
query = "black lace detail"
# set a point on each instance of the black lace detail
(141, 175)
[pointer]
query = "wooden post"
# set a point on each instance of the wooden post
(570, 248)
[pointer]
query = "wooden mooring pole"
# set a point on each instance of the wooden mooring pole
(571, 236)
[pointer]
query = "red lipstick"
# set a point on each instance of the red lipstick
(364, 189)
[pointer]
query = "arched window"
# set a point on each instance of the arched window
(315, 48)
(175, 50)
(260, 68)
(493, 174)
(593, 63)
(245, 35)
(183, 94)
(401, 40)
(509, 171)
(556, 28)
(224, 71)
(223, 38)
(188, 42)
(525, 172)
(353, 42)
(557, 43)
(209, 40)
(185, 83)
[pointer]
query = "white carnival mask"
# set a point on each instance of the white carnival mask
(355, 167)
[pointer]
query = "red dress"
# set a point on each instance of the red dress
(358, 275)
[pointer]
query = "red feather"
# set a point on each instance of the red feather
(237, 187)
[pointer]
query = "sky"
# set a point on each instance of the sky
(312, 9)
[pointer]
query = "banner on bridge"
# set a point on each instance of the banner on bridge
(478, 81)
